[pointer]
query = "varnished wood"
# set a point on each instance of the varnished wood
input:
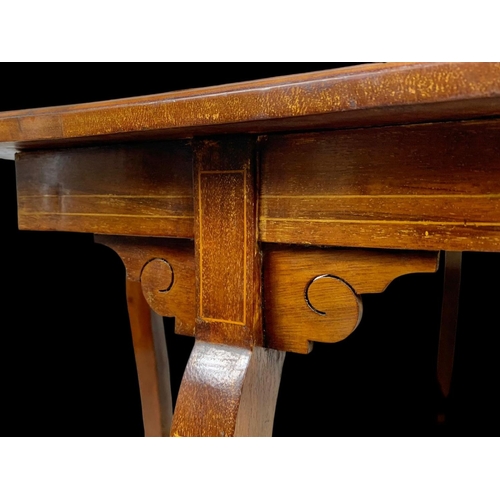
(144, 189)
(259, 394)
(449, 320)
(151, 360)
(172, 295)
(429, 187)
(227, 255)
(231, 384)
(345, 158)
(345, 97)
(160, 282)
(382, 187)
(295, 298)
(228, 391)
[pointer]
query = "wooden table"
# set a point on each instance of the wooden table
(259, 214)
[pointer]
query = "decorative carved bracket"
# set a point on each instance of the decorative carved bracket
(165, 269)
(160, 282)
(313, 294)
(310, 294)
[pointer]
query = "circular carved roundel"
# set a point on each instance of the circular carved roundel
(157, 279)
(336, 301)
(157, 276)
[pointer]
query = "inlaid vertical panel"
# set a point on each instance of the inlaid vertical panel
(227, 256)
(227, 190)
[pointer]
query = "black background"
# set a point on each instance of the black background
(67, 366)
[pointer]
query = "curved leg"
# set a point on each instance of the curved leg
(449, 323)
(230, 385)
(152, 362)
(228, 391)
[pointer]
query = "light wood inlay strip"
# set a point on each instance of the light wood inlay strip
(109, 195)
(135, 216)
(368, 196)
(218, 320)
(390, 222)
(400, 222)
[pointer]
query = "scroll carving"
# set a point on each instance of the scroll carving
(165, 269)
(313, 294)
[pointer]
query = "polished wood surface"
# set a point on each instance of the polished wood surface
(229, 206)
(314, 294)
(144, 189)
(227, 255)
(152, 363)
(344, 97)
(168, 287)
(343, 188)
(228, 391)
(428, 186)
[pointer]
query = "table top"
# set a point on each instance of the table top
(357, 96)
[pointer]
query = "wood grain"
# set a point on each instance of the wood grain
(313, 294)
(259, 394)
(228, 391)
(171, 295)
(430, 187)
(151, 360)
(355, 181)
(227, 255)
(143, 189)
(345, 97)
